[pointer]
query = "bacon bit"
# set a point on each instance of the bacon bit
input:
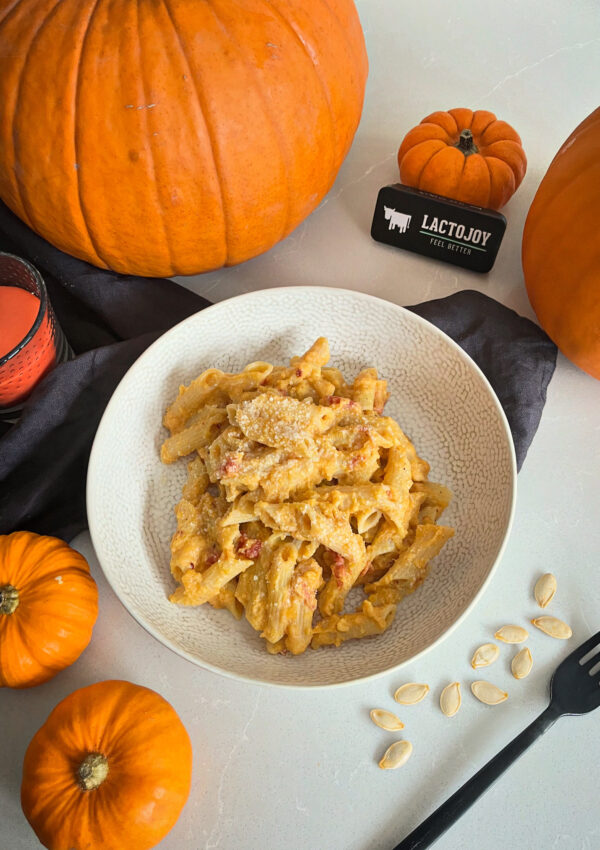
(338, 568)
(211, 559)
(248, 547)
(307, 594)
(263, 383)
(229, 467)
(355, 460)
(298, 373)
(253, 550)
(337, 399)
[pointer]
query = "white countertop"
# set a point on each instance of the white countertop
(298, 770)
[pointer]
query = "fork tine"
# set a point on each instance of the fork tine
(591, 643)
(591, 662)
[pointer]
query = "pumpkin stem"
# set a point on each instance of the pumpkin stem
(9, 599)
(466, 144)
(92, 771)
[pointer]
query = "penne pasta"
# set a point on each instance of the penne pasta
(197, 435)
(307, 580)
(300, 493)
(279, 577)
(367, 620)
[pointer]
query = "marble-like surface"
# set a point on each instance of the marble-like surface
(297, 770)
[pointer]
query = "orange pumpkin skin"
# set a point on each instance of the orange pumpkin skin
(48, 607)
(484, 169)
(192, 135)
(148, 755)
(561, 248)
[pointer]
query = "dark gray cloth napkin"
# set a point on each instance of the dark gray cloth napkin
(109, 319)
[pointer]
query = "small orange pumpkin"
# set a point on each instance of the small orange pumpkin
(110, 769)
(48, 607)
(561, 248)
(469, 156)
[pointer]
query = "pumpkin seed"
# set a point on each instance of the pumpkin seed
(411, 693)
(485, 655)
(396, 755)
(386, 720)
(512, 634)
(450, 699)
(553, 627)
(522, 663)
(544, 590)
(488, 693)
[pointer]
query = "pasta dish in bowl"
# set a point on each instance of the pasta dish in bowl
(258, 502)
(299, 491)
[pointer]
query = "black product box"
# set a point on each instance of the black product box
(438, 227)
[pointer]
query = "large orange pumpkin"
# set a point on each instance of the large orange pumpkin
(561, 248)
(175, 137)
(48, 607)
(110, 769)
(469, 156)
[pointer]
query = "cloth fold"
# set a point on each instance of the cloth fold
(516, 356)
(110, 319)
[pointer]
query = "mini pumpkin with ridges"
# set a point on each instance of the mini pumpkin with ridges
(48, 607)
(468, 156)
(110, 769)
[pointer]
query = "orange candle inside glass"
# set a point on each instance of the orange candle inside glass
(18, 312)
(28, 331)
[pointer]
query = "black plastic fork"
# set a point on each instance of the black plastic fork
(572, 691)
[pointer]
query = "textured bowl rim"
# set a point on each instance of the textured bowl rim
(306, 290)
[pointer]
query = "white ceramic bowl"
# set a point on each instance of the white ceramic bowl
(439, 397)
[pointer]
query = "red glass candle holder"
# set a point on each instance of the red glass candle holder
(41, 347)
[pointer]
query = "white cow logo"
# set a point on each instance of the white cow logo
(397, 220)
